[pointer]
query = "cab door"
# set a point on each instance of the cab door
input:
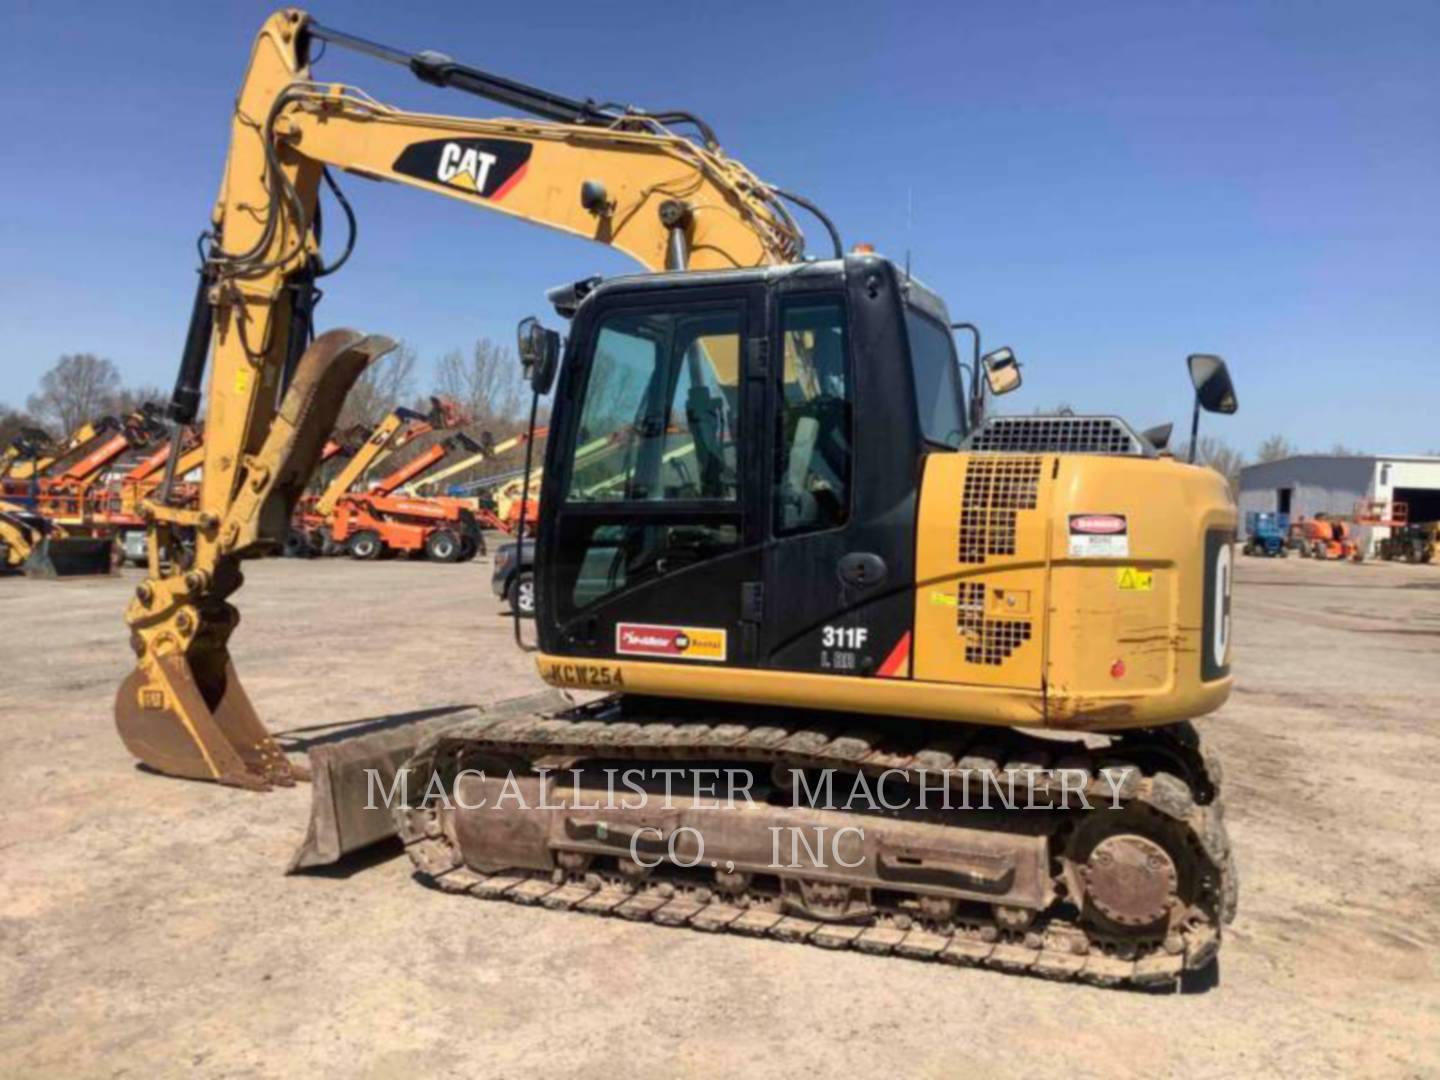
(649, 538)
(841, 462)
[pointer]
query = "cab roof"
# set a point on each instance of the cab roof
(809, 273)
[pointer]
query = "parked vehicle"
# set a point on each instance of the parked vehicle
(1265, 534)
(1418, 543)
(513, 579)
(1323, 537)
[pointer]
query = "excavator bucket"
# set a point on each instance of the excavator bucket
(183, 711)
(201, 727)
(353, 773)
(71, 556)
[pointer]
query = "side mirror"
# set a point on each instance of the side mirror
(539, 351)
(1214, 392)
(1002, 371)
(1213, 388)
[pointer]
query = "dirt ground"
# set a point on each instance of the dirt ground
(147, 928)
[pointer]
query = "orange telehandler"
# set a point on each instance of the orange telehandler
(79, 510)
(312, 531)
(383, 519)
(488, 499)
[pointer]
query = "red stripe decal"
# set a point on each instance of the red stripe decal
(504, 189)
(899, 658)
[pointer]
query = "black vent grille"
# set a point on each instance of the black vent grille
(1056, 435)
(995, 490)
(987, 641)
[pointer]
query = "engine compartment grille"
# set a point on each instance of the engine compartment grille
(1057, 435)
(995, 490)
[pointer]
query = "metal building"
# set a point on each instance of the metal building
(1345, 487)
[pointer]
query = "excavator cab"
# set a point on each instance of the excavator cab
(779, 472)
(716, 450)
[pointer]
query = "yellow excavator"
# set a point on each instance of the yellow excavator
(815, 566)
(31, 448)
(32, 544)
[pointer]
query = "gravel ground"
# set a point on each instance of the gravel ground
(146, 927)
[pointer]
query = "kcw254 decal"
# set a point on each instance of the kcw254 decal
(489, 168)
(679, 642)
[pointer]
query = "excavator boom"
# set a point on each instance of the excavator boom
(620, 178)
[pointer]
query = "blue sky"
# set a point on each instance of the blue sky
(1105, 187)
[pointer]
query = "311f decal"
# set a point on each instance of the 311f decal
(840, 647)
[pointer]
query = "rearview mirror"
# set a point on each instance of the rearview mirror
(539, 351)
(1002, 371)
(1213, 392)
(1213, 389)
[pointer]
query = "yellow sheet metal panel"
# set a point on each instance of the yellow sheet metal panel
(795, 689)
(1134, 623)
(980, 604)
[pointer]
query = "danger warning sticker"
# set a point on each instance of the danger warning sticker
(677, 642)
(1099, 536)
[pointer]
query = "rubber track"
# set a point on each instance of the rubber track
(1048, 949)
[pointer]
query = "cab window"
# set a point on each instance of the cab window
(659, 420)
(654, 481)
(813, 446)
(937, 380)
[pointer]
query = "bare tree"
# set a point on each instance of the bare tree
(385, 384)
(78, 388)
(1341, 450)
(127, 399)
(487, 385)
(1218, 455)
(1275, 448)
(13, 422)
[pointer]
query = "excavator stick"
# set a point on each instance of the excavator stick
(70, 556)
(183, 710)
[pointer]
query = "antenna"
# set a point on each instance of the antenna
(909, 218)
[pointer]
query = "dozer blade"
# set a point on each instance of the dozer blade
(183, 711)
(74, 556)
(353, 775)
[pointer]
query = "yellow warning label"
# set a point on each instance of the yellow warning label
(242, 380)
(1133, 579)
(943, 599)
